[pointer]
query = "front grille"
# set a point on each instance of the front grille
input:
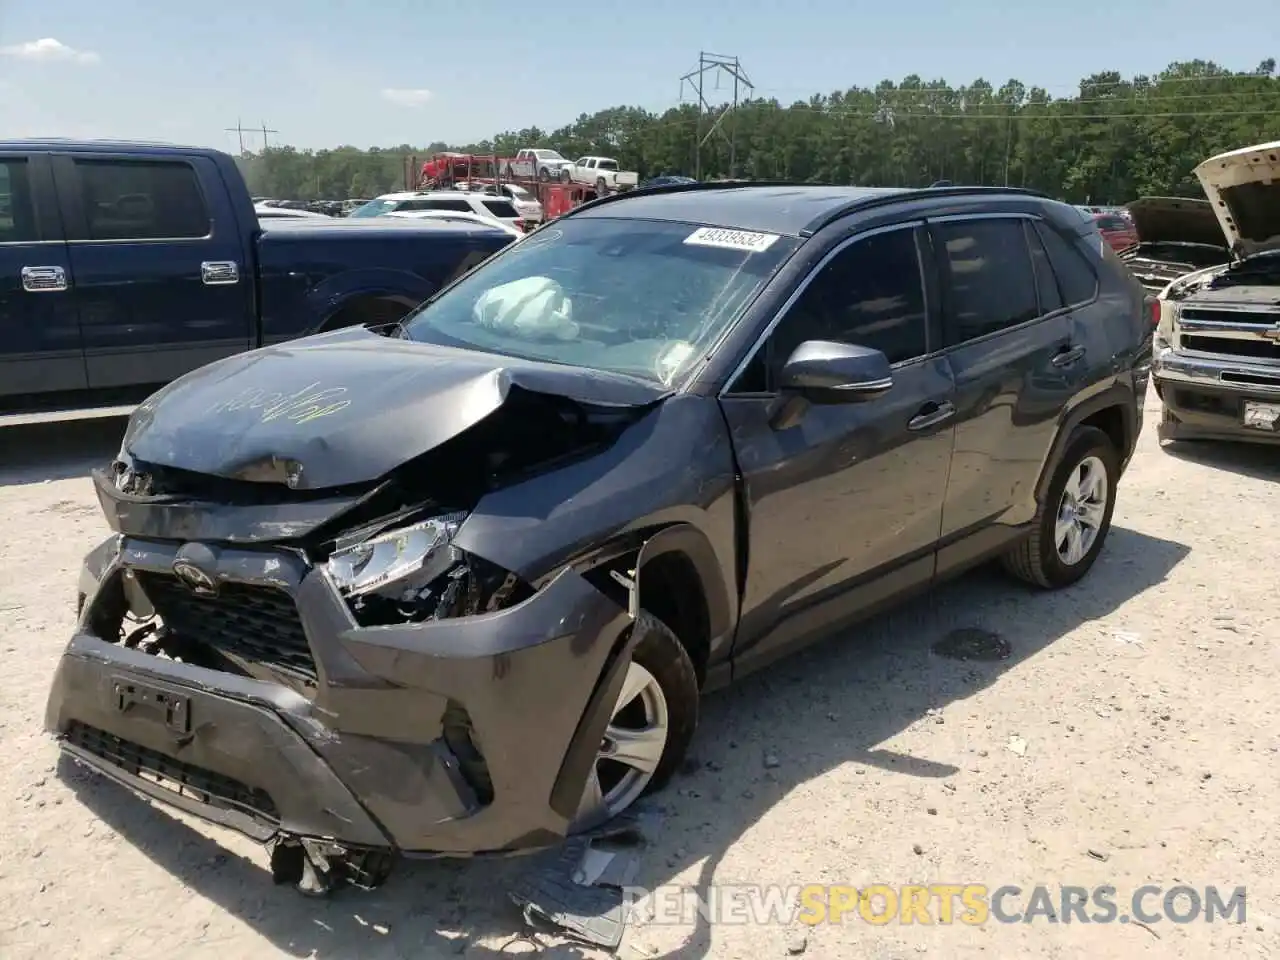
(176, 776)
(254, 624)
(1262, 320)
(1232, 346)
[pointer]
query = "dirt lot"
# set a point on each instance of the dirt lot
(1129, 739)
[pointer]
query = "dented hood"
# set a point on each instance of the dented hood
(1243, 187)
(343, 408)
(1175, 220)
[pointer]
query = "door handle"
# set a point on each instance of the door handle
(932, 414)
(44, 279)
(1067, 356)
(218, 273)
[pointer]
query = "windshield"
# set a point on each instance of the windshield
(374, 208)
(518, 193)
(547, 155)
(638, 297)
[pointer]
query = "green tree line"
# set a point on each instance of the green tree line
(1111, 141)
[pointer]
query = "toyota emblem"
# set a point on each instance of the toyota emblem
(196, 579)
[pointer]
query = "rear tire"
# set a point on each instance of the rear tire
(663, 663)
(1048, 558)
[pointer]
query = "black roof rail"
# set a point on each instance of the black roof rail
(689, 188)
(940, 188)
(884, 200)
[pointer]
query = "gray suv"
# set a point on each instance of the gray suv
(455, 586)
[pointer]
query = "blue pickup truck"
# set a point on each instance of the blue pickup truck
(124, 266)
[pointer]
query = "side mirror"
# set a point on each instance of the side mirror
(824, 371)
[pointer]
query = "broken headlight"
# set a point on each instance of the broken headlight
(399, 563)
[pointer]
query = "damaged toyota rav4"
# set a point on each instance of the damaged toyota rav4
(454, 587)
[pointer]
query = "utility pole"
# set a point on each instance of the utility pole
(265, 131)
(719, 66)
(239, 130)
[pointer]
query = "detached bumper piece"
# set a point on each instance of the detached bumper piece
(339, 745)
(1219, 397)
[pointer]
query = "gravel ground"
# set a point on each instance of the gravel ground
(1127, 740)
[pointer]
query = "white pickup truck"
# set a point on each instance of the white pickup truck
(543, 164)
(599, 172)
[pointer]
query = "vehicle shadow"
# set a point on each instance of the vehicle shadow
(57, 451)
(810, 714)
(1257, 461)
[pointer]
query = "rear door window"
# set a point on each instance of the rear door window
(988, 275)
(17, 213)
(141, 200)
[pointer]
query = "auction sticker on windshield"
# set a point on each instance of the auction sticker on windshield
(744, 240)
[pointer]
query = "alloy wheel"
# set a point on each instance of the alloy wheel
(630, 750)
(1081, 511)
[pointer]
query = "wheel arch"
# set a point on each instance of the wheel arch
(1109, 411)
(673, 574)
(375, 307)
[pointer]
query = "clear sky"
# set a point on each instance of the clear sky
(385, 72)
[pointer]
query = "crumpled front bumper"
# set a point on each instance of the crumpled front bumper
(1206, 393)
(369, 756)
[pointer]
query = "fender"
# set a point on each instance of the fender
(1115, 395)
(722, 606)
(327, 298)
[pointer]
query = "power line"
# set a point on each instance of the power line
(1142, 81)
(1021, 114)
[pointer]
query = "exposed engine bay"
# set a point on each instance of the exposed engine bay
(390, 552)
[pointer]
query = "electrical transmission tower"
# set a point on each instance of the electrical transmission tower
(721, 67)
(239, 130)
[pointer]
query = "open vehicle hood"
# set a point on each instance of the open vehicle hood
(1176, 220)
(1243, 187)
(344, 408)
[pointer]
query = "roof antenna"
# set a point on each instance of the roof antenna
(941, 183)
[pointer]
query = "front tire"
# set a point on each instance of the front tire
(1073, 520)
(650, 730)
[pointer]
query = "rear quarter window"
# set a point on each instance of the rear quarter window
(1077, 278)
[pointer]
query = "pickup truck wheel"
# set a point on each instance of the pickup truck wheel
(564, 176)
(649, 732)
(602, 188)
(543, 175)
(1074, 517)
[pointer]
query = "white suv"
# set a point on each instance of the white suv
(457, 201)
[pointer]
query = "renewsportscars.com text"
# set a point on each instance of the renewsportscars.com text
(938, 903)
